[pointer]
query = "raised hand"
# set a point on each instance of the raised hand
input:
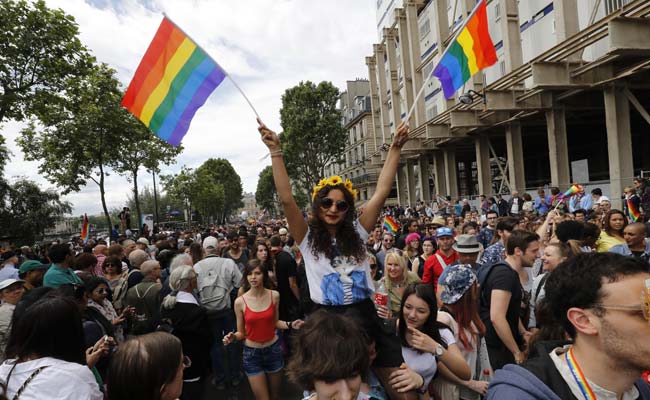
(401, 135)
(269, 137)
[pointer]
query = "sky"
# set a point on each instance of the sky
(266, 46)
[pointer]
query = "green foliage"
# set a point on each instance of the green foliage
(313, 135)
(40, 54)
(266, 195)
(222, 173)
(142, 149)
(165, 202)
(83, 137)
(28, 211)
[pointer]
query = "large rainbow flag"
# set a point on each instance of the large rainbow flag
(85, 232)
(174, 79)
(470, 52)
(633, 211)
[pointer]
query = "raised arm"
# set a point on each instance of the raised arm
(297, 224)
(386, 178)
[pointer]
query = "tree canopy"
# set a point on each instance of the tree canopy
(266, 195)
(312, 132)
(222, 173)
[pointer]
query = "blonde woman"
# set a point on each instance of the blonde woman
(396, 278)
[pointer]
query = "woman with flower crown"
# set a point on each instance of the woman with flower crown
(336, 262)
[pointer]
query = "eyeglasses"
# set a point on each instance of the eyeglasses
(644, 306)
(388, 240)
(341, 205)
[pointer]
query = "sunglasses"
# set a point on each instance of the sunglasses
(341, 205)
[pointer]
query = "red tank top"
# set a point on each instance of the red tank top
(260, 327)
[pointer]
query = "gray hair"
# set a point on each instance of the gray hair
(148, 267)
(137, 257)
(180, 260)
(179, 280)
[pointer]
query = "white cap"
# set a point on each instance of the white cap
(282, 231)
(603, 198)
(210, 241)
(8, 282)
(143, 241)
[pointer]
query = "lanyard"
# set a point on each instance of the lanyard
(579, 376)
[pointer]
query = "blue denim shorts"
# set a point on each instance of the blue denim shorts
(265, 360)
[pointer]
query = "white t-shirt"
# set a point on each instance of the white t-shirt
(340, 281)
(425, 364)
(61, 380)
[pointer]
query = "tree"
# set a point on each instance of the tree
(312, 132)
(209, 197)
(266, 194)
(224, 174)
(147, 204)
(142, 149)
(30, 211)
(83, 138)
(181, 187)
(41, 55)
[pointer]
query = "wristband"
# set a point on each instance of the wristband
(423, 389)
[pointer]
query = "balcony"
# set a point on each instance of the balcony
(370, 177)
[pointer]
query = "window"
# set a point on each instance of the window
(425, 28)
(497, 11)
(426, 71)
(613, 5)
(502, 66)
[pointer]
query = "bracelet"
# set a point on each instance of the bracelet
(276, 153)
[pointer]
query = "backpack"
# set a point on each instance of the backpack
(214, 292)
(484, 273)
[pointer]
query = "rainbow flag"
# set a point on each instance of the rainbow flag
(390, 224)
(633, 211)
(174, 79)
(470, 52)
(84, 229)
(573, 190)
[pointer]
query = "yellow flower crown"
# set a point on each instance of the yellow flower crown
(333, 181)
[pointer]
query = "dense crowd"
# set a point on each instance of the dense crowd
(514, 299)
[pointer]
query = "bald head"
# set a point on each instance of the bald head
(100, 249)
(150, 269)
(634, 235)
(137, 258)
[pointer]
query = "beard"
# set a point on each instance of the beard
(628, 351)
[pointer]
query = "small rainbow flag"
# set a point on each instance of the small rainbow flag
(573, 190)
(470, 52)
(84, 229)
(174, 79)
(390, 224)
(633, 211)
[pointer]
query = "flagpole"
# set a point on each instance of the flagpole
(456, 34)
(215, 61)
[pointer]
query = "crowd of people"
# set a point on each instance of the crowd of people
(514, 299)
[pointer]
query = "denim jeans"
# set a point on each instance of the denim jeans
(221, 325)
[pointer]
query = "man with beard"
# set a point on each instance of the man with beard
(602, 300)
(32, 272)
(500, 303)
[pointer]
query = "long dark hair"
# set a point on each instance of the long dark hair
(348, 240)
(431, 326)
(607, 227)
(142, 365)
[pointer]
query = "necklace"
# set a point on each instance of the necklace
(398, 285)
(579, 376)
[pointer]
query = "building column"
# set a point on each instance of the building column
(394, 96)
(411, 8)
(374, 131)
(423, 167)
(405, 51)
(410, 182)
(558, 152)
(484, 172)
(439, 174)
(451, 180)
(515, 154)
(510, 34)
(380, 54)
(619, 142)
(402, 182)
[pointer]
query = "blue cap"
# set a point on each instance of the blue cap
(444, 231)
(457, 280)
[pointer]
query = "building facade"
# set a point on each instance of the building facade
(356, 118)
(566, 102)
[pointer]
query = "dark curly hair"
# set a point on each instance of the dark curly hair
(348, 241)
(577, 282)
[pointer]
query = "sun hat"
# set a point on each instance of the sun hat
(411, 237)
(444, 231)
(143, 240)
(437, 221)
(458, 279)
(31, 265)
(467, 244)
(8, 282)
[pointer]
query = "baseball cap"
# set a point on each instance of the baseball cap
(457, 280)
(283, 231)
(444, 231)
(8, 282)
(602, 198)
(31, 265)
(210, 241)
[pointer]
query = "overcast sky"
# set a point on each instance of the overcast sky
(267, 46)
